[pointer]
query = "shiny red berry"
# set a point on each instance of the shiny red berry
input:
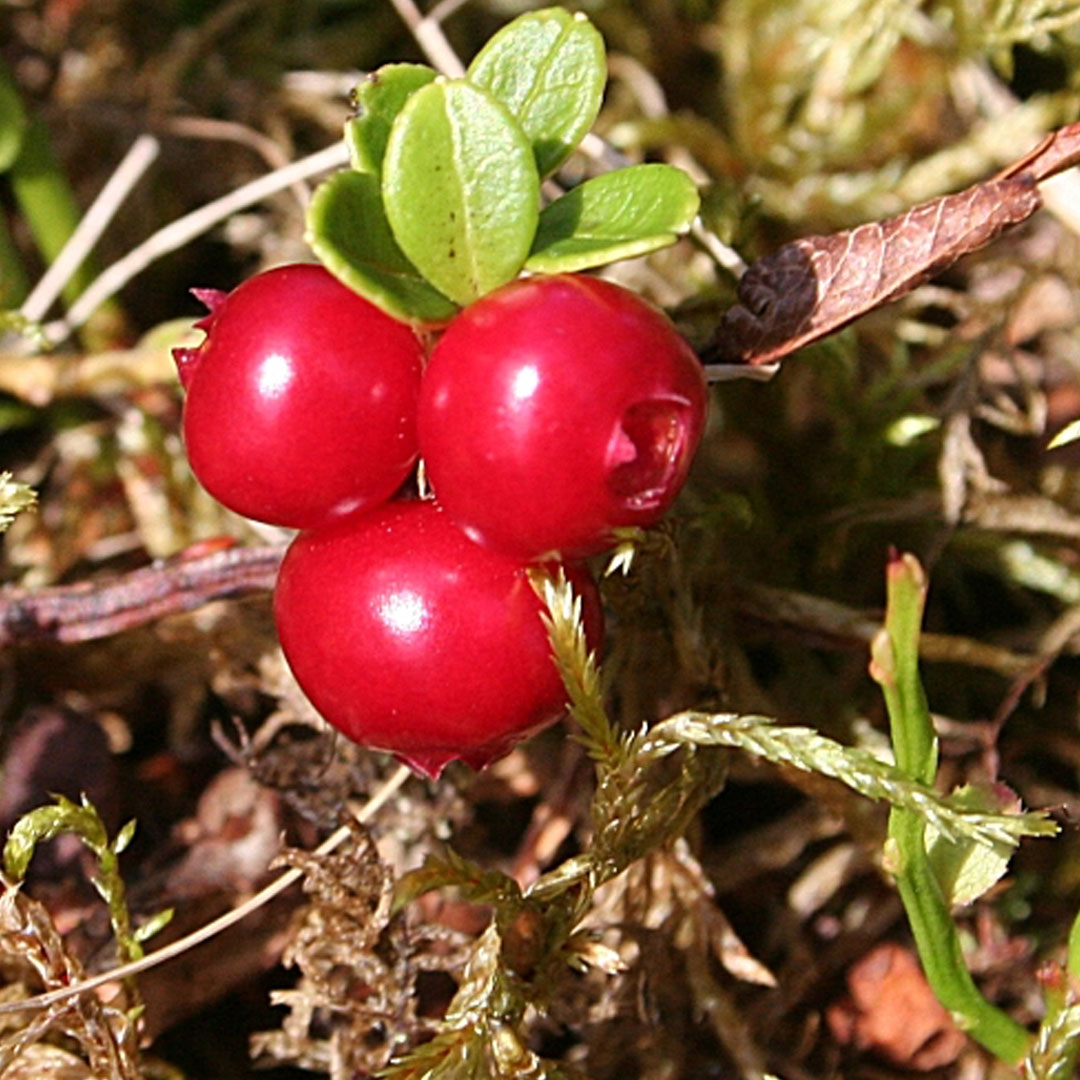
(557, 409)
(410, 638)
(301, 401)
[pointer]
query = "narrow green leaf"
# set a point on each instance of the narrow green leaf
(461, 189)
(619, 215)
(549, 69)
(377, 100)
(348, 230)
(154, 925)
(12, 122)
(124, 837)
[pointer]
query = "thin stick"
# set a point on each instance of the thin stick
(93, 223)
(98, 608)
(444, 9)
(186, 228)
(230, 918)
(430, 38)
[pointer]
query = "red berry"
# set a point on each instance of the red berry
(557, 409)
(410, 638)
(301, 402)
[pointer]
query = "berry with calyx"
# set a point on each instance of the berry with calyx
(556, 410)
(411, 639)
(301, 401)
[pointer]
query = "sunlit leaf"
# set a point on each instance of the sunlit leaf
(347, 229)
(548, 67)
(378, 100)
(461, 189)
(965, 869)
(618, 215)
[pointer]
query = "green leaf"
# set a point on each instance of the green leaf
(618, 215)
(348, 230)
(461, 189)
(154, 925)
(548, 68)
(964, 868)
(378, 100)
(123, 838)
(13, 122)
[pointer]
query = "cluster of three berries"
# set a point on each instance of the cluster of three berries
(549, 414)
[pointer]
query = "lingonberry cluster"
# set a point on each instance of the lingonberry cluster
(550, 413)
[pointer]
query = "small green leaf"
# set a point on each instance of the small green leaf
(348, 230)
(123, 838)
(154, 925)
(619, 215)
(13, 122)
(378, 99)
(461, 189)
(964, 868)
(548, 68)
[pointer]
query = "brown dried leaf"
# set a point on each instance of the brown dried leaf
(893, 1012)
(1060, 150)
(819, 284)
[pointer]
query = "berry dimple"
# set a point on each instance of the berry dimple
(551, 413)
(555, 411)
(648, 451)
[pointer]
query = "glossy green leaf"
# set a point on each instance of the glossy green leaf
(615, 216)
(549, 69)
(378, 100)
(461, 189)
(13, 122)
(348, 230)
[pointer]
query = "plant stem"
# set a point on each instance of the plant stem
(895, 666)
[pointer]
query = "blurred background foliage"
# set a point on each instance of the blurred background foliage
(923, 427)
